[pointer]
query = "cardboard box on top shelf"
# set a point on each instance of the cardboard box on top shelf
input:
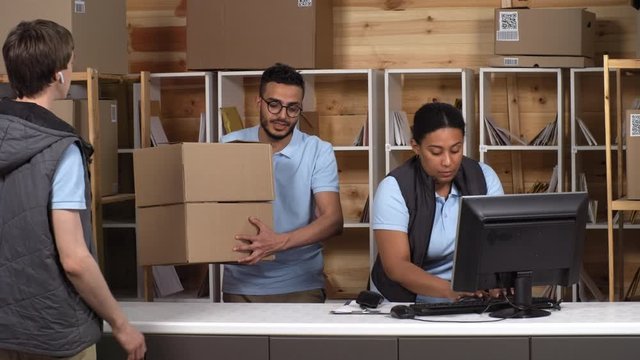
(557, 32)
(99, 29)
(196, 232)
(203, 172)
(255, 34)
(632, 138)
(76, 113)
(540, 61)
(507, 4)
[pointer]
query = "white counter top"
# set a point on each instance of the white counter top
(575, 319)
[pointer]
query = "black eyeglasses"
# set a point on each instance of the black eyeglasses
(275, 106)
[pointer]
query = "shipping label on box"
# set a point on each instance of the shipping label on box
(203, 172)
(196, 232)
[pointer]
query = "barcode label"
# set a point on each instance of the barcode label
(634, 125)
(510, 61)
(78, 7)
(305, 3)
(114, 113)
(508, 20)
(507, 26)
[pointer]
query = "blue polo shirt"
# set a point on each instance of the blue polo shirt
(306, 166)
(390, 213)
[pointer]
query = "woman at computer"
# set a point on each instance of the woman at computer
(415, 209)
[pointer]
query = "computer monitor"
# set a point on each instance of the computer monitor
(518, 241)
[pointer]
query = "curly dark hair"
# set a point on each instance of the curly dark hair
(281, 74)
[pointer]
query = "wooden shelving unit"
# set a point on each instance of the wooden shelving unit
(615, 246)
(90, 80)
(500, 99)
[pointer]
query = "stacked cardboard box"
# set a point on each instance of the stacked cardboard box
(99, 29)
(76, 113)
(632, 138)
(544, 38)
(254, 34)
(193, 198)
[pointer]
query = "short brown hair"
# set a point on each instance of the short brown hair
(33, 52)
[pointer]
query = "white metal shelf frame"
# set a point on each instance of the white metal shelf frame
(485, 109)
(393, 93)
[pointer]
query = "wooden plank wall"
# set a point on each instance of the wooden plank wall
(381, 33)
(389, 34)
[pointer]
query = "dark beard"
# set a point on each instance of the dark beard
(275, 136)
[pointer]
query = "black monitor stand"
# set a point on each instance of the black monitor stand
(522, 304)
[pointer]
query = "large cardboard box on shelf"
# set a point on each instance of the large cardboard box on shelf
(99, 29)
(560, 32)
(632, 138)
(203, 172)
(255, 34)
(76, 113)
(195, 232)
(540, 61)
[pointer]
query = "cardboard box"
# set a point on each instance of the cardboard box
(203, 172)
(99, 29)
(559, 32)
(541, 61)
(195, 232)
(76, 113)
(514, 4)
(255, 34)
(632, 137)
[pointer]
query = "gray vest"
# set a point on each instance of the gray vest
(418, 192)
(40, 310)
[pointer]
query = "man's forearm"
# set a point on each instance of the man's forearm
(320, 229)
(90, 284)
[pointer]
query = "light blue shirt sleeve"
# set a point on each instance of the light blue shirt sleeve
(494, 186)
(325, 173)
(389, 209)
(68, 181)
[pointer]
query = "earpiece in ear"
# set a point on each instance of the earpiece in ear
(61, 77)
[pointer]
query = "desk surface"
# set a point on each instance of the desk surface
(575, 319)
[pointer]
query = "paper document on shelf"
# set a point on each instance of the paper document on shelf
(500, 136)
(231, 120)
(166, 280)
(399, 128)
(158, 136)
(352, 307)
(548, 136)
(591, 140)
(553, 181)
(202, 135)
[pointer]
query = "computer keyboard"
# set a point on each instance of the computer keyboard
(476, 305)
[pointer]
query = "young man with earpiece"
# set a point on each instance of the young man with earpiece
(52, 294)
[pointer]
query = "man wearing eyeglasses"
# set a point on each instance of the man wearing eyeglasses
(306, 208)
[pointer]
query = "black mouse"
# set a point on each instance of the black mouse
(402, 312)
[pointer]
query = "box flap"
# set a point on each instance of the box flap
(158, 175)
